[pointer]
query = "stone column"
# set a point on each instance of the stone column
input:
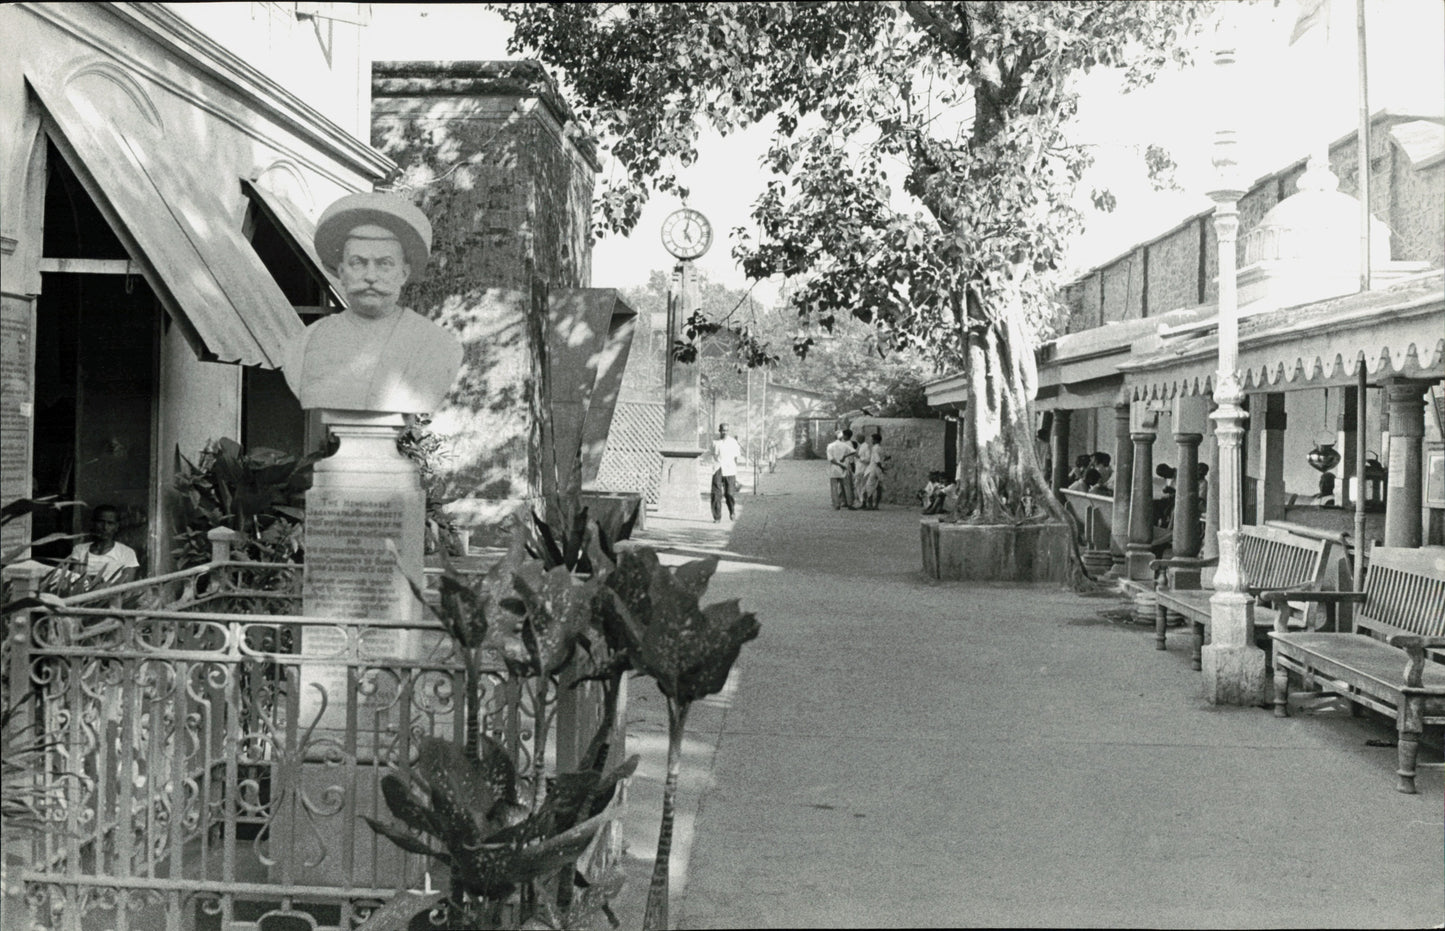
(1407, 430)
(1232, 665)
(678, 494)
(1141, 501)
(1269, 504)
(1123, 483)
(1348, 443)
(1209, 546)
(1059, 449)
(1186, 500)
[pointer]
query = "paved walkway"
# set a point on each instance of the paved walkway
(898, 752)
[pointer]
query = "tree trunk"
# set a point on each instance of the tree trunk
(1000, 480)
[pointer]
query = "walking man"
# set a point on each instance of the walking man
(726, 453)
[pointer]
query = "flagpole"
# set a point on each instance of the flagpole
(1363, 140)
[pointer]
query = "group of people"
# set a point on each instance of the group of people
(1093, 474)
(937, 492)
(855, 471)
(1164, 504)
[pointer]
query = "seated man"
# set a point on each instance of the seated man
(102, 557)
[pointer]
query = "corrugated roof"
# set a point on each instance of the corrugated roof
(188, 245)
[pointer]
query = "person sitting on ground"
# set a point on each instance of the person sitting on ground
(931, 497)
(101, 556)
(1326, 497)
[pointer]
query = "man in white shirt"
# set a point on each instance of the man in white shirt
(725, 452)
(838, 452)
(101, 555)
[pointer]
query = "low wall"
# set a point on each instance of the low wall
(914, 448)
(996, 552)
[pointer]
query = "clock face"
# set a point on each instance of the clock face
(686, 233)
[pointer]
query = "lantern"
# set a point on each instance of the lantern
(1375, 475)
(1323, 457)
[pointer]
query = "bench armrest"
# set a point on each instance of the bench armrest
(1415, 646)
(1182, 562)
(1280, 599)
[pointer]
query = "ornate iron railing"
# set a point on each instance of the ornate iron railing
(208, 768)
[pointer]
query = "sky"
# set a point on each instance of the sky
(1285, 100)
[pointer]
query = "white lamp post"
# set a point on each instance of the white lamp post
(1233, 666)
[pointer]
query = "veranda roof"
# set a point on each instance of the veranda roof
(1398, 331)
(190, 248)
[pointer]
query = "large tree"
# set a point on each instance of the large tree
(967, 103)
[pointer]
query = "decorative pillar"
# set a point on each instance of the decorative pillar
(1138, 552)
(1186, 498)
(1190, 416)
(1232, 665)
(1269, 504)
(1122, 484)
(1059, 449)
(1407, 431)
(1348, 442)
(678, 494)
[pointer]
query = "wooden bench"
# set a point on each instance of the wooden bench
(1093, 514)
(1274, 556)
(1384, 660)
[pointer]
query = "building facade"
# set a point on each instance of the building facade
(159, 185)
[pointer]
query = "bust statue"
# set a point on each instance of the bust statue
(374, 356)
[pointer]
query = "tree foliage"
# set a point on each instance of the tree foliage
(922, 175)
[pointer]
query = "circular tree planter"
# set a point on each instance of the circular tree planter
(996, 552)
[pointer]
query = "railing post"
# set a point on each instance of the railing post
(221, 540)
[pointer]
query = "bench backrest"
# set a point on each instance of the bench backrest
(1404, 592)
(1275, 558)
(1272, 557)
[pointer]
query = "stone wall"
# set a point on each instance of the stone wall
(1410, 201)
(914, 448)
(486, 149)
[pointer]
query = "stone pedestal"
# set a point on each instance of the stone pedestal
(996, 552)
(365, 524)
(1233, 666)
(678, 494)
(365, 517)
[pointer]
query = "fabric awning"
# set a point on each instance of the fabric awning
(1398, 332)
(186, 242)
(298, 229)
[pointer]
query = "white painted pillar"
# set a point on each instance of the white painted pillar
(1232, 665)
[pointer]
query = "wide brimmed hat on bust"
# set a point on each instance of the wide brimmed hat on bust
(407, 223)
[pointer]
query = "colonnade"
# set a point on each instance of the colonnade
(1136, 434)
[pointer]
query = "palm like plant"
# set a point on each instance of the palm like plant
(688, 650)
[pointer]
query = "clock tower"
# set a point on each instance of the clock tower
(686, 234)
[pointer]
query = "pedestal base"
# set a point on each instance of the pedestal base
(1233, 667)
(1233, 675)
(677, 491)
(1136, 561)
